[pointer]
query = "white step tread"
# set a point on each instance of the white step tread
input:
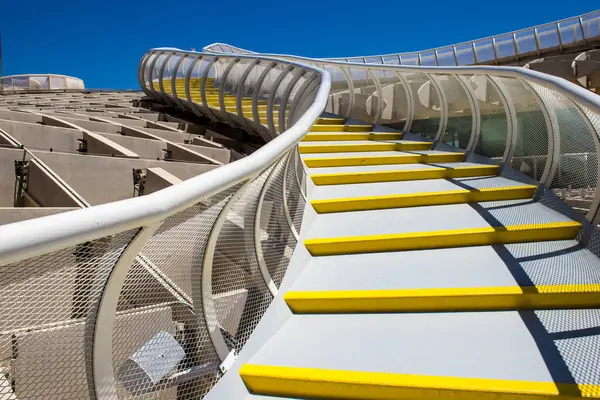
(368, 168)
(430, 218)
(322, 192)
(493, 345)
(369, 153)
(540, 263)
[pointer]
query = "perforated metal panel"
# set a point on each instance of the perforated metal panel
(47, 319)
(239, 291)
(459, 126)
(277, 242)
(533, 129)
(426, 103)
(162, 310)
(575, 177)
(494, 117)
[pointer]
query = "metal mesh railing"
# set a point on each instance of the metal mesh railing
(152, 297)
(571, 34)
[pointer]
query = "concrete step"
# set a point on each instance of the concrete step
(334, 136)
(378, 158)
(477, 355)
(382, 195)
(399, 172)
(513, 277)
(442, 226)
(340, 128)
(360, 146)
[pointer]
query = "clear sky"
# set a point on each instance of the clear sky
(103, 41)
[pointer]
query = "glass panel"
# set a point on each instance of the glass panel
(446, 57)
(485, 50)
(339, 93)
(59, 82)
(40, 83)
(373, 60)
(591, 25)
(71, 83)
(505, 46)
(464, 53)
(460, 113)
(409, 59)
(525, 41)
(548, 36)
(391, 60)
(365, 107)
(428, 58)
(494, 118)
(395, 101)
(21, 82)
(570, 31)
(427, 109)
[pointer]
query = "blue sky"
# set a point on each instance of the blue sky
(103, 41)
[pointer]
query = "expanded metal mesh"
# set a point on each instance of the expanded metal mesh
(276, 239)
(494, 118)
(426, 102)
(238, 288)
(365, 96)
(293, 185)
(339, 89)
(576, 176)
(47, 319)
(459, 126)
(532, 131)
(161, 311)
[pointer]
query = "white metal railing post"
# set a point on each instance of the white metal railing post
(379, 90)
(283, 105)
(105, 384)
(410, 108)
(441, 95)
(240, 94)
(222, 86)
(476, 114)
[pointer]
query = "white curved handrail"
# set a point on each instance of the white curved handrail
(453, 51)
(568, 89)
(42, 235)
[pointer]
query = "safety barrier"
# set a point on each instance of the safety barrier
(155, 295)
(571, 34)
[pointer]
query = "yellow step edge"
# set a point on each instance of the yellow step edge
(339, 384)
(485, 236)
(365, 146)
(330, 121)
(342, 148)
(341, 128)
(323, 137)
(392, 158)
(500, 298)
(342, 178)
(423, 199)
